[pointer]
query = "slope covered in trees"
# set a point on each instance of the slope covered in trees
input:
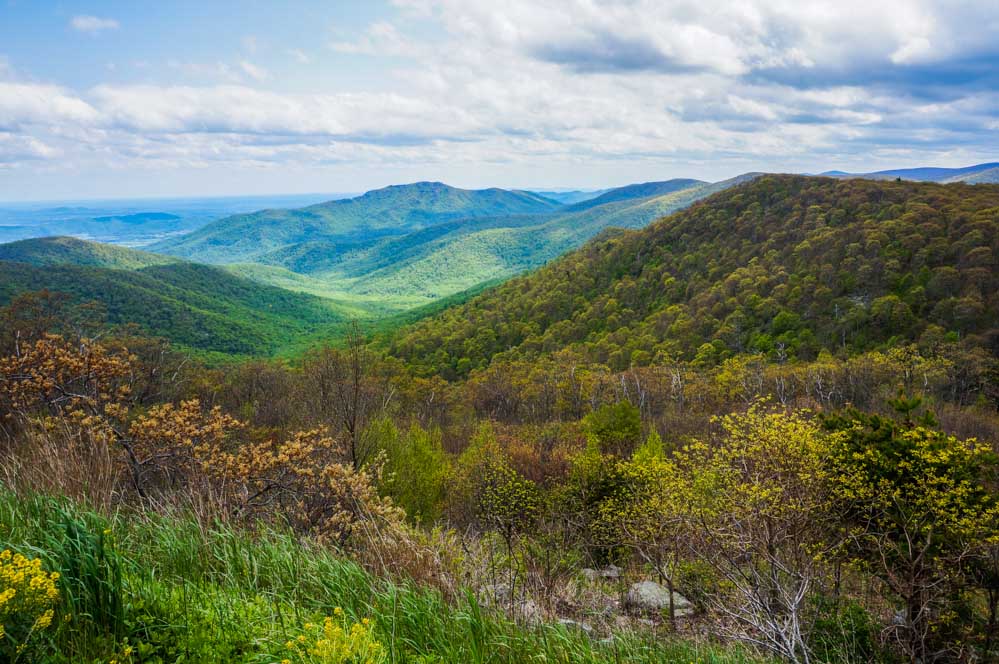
(198, 307)
(787, 266)
(345, 223)
(69, 250)
(406, 246)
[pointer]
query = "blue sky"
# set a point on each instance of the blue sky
(125, 99)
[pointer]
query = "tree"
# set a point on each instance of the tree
(346, 391)
(650, 515)
(616, 427)
(755, 508)
(917, 509)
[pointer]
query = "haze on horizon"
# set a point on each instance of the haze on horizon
(125, 100)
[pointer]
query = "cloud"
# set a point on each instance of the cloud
(93, 24)
(253, 71)
(380, 39)
(15, 149)
(24, 104)
(640, 85)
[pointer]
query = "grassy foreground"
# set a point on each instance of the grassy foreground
(152, 588)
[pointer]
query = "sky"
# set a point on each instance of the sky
(131, 99)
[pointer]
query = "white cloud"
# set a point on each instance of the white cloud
(638, 84)
(253, 71)
(93, 24)
(15, 149)
(380, 39)
(24, 104)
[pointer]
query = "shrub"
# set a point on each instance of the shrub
(336, 641)
(28, 596)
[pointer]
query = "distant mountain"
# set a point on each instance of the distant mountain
(987, 176)
(354, 222)
(643, 190)
(68, 250)
(450, 257)
(971, 174)
(133, 222)
(570, 197)
(199, 307)
(784, 265)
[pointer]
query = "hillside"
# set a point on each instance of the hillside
(445, 258)
(69, 250)
(642, 190)
(979, 173)
(470, 255)
(344, 224)
(784, 265)
(195, 306)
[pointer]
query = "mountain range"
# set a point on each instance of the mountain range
(267, 282)
(977, 174)
(408, 245)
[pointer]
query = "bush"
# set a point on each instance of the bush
(28, 596)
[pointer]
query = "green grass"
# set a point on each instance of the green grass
(178, 592)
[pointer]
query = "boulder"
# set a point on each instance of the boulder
(611, 572)
(589, 574)
(650, 597)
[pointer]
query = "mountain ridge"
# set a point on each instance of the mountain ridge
(785, 265)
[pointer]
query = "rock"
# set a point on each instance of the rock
(611, 572)
(569, 623)
(528, 612)
(650, 597)
(589, 574)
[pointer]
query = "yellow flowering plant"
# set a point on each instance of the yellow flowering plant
(336, 640)
(28, 596)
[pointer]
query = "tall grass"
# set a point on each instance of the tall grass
(179, 591)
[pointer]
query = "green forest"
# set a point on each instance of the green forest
(761, 429)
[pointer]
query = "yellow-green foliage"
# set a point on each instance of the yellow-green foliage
(506, 501)
(336, 641)
(28, 595)
(416, 470)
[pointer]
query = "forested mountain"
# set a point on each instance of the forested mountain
(632, 191)
(195, 306)
(348, 223)
(69, 250)
(979, 173)
(425, 255)
(788, 266)
(573, 196)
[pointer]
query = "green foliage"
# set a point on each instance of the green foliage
(846, 633)
(416, 471)
(344, 225)
(786, 266)
(505, 501)
(919, 510)
(198, 593)
(71, 251)
(616, 427)
(195, 306)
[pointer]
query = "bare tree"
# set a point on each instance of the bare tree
(346, 390)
